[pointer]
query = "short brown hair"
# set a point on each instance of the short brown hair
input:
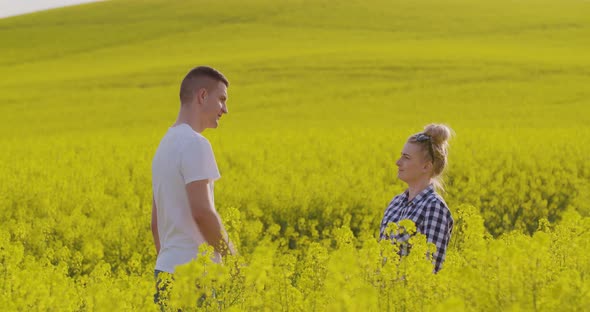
(194, 77)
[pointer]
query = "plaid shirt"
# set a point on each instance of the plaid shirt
(430, 214)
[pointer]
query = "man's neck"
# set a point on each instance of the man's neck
(194, 123)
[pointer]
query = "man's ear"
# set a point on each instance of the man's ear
(201, 95)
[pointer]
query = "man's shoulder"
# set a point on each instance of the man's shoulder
(196, 141)
(191, 139)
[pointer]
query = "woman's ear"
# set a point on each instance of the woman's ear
(427, 167)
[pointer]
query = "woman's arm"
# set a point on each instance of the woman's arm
(437, 226)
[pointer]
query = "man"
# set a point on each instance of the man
(183, 173)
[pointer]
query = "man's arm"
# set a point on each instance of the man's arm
(206, 218)
(155, 226)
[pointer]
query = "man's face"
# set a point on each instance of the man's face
(214, 105)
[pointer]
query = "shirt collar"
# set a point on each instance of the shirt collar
(418, 198)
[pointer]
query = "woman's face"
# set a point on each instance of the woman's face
(412, 164)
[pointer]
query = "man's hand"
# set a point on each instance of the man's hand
(206, 218)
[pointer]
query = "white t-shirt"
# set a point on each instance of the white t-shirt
(183, 156)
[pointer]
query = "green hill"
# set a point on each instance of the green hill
(299, 63)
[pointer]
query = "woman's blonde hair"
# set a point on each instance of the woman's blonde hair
(434, 142)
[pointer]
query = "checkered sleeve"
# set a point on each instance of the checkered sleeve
(388, 216)
(437, 226)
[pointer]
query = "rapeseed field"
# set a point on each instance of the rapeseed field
(322, 97)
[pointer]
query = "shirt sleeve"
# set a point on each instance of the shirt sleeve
(437, 227)
(387, 217)
(197, 161)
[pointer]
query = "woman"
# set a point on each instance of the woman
(422, 161)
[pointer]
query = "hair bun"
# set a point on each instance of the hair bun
(438, 132)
